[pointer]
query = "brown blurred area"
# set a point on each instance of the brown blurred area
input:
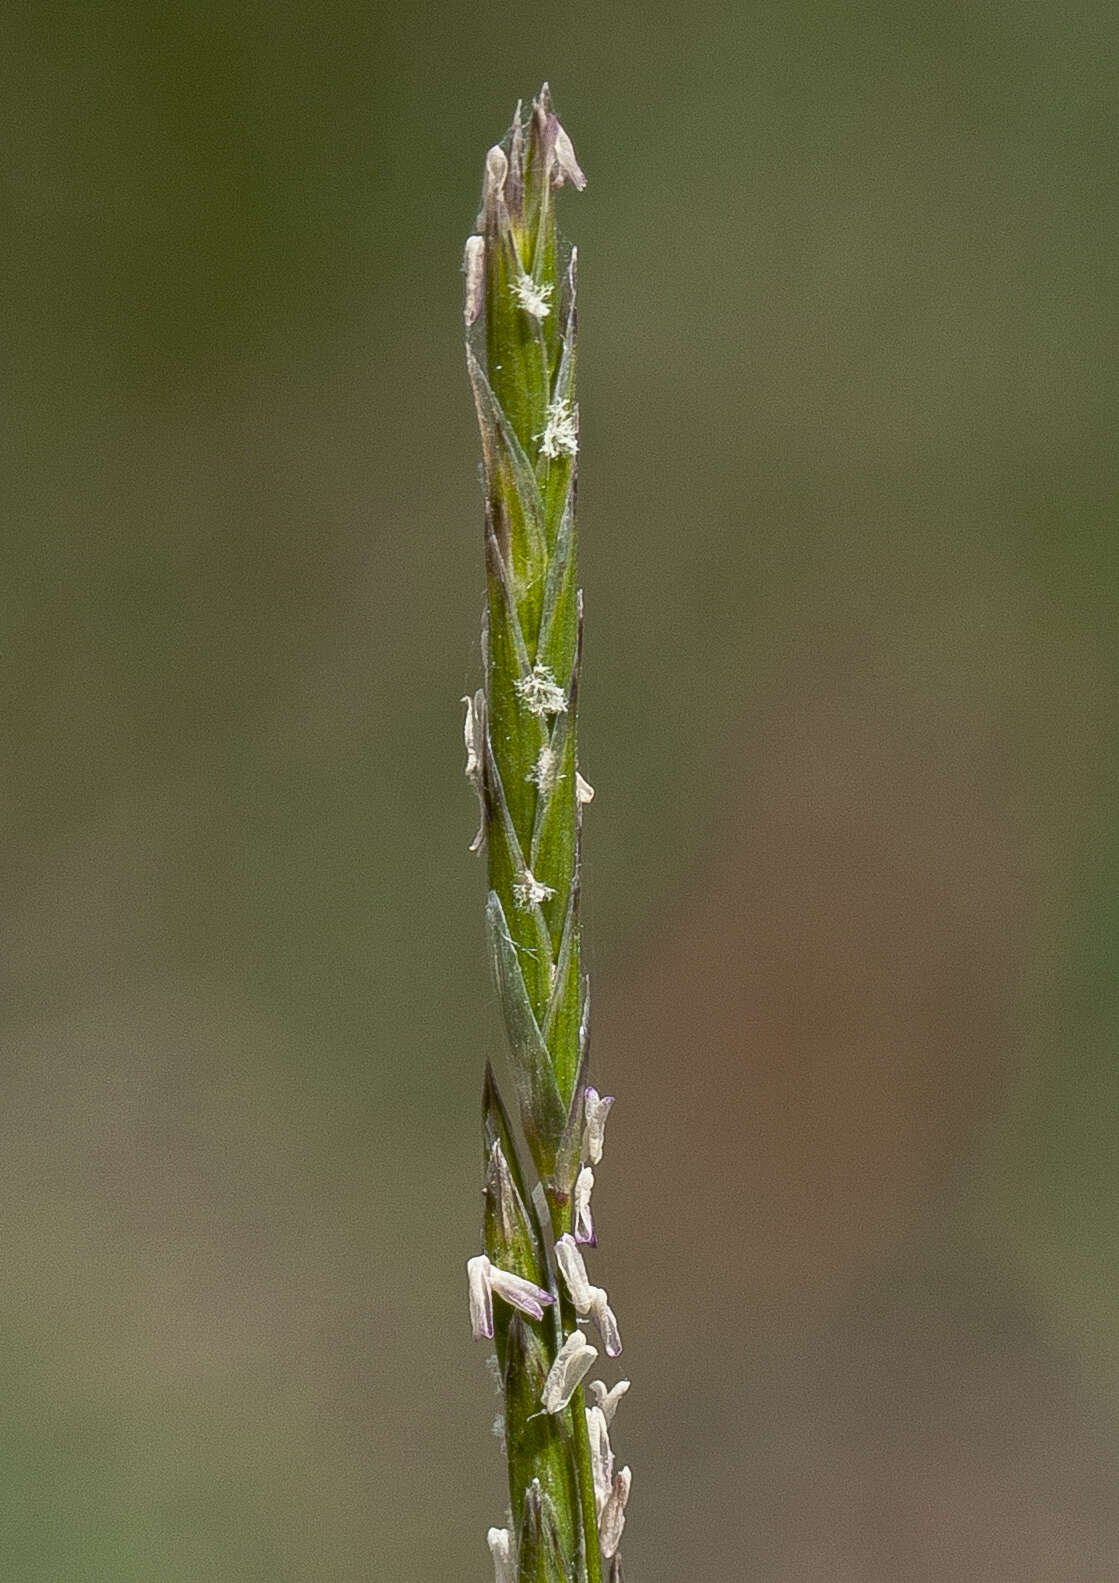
(831, 1022)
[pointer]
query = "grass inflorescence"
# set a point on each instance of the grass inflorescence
(529, 1288)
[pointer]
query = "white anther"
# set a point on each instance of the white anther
(602, 1457)
(529, 892)
(474, 738)
(589, 1301)
(561, 430)
(484, 1279)
(595, 1112)
(473, 267)
(613, 1516)
(574, 1273)
(567, 166)
(500, 1541)
(540, 692)
(533, 295)
(582, 1221)
(573, 1360)
(584, 791)
(605, 1322)
(497, 168)
(605, 1399)
(481, 1297)
(473, 765)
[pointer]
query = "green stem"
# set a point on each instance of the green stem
(581, 1447)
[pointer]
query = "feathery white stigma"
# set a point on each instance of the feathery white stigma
(529, 892)
(573, 1360)
(484, 1279)
(533, 295)
(582, 1221)
(595, 1112)
(500, 1541)
(561, 431)
(543, 772)
(541, 693)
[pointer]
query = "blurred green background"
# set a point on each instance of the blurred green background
(849, 474)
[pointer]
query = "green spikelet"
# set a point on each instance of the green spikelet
(522, 758)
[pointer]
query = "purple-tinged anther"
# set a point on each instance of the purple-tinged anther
(484, 1279)
(519, 1293)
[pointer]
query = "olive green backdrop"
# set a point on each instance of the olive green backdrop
(849, 552)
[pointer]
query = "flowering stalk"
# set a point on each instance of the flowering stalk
(529, 1287)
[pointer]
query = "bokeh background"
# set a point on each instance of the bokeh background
(849, 476)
